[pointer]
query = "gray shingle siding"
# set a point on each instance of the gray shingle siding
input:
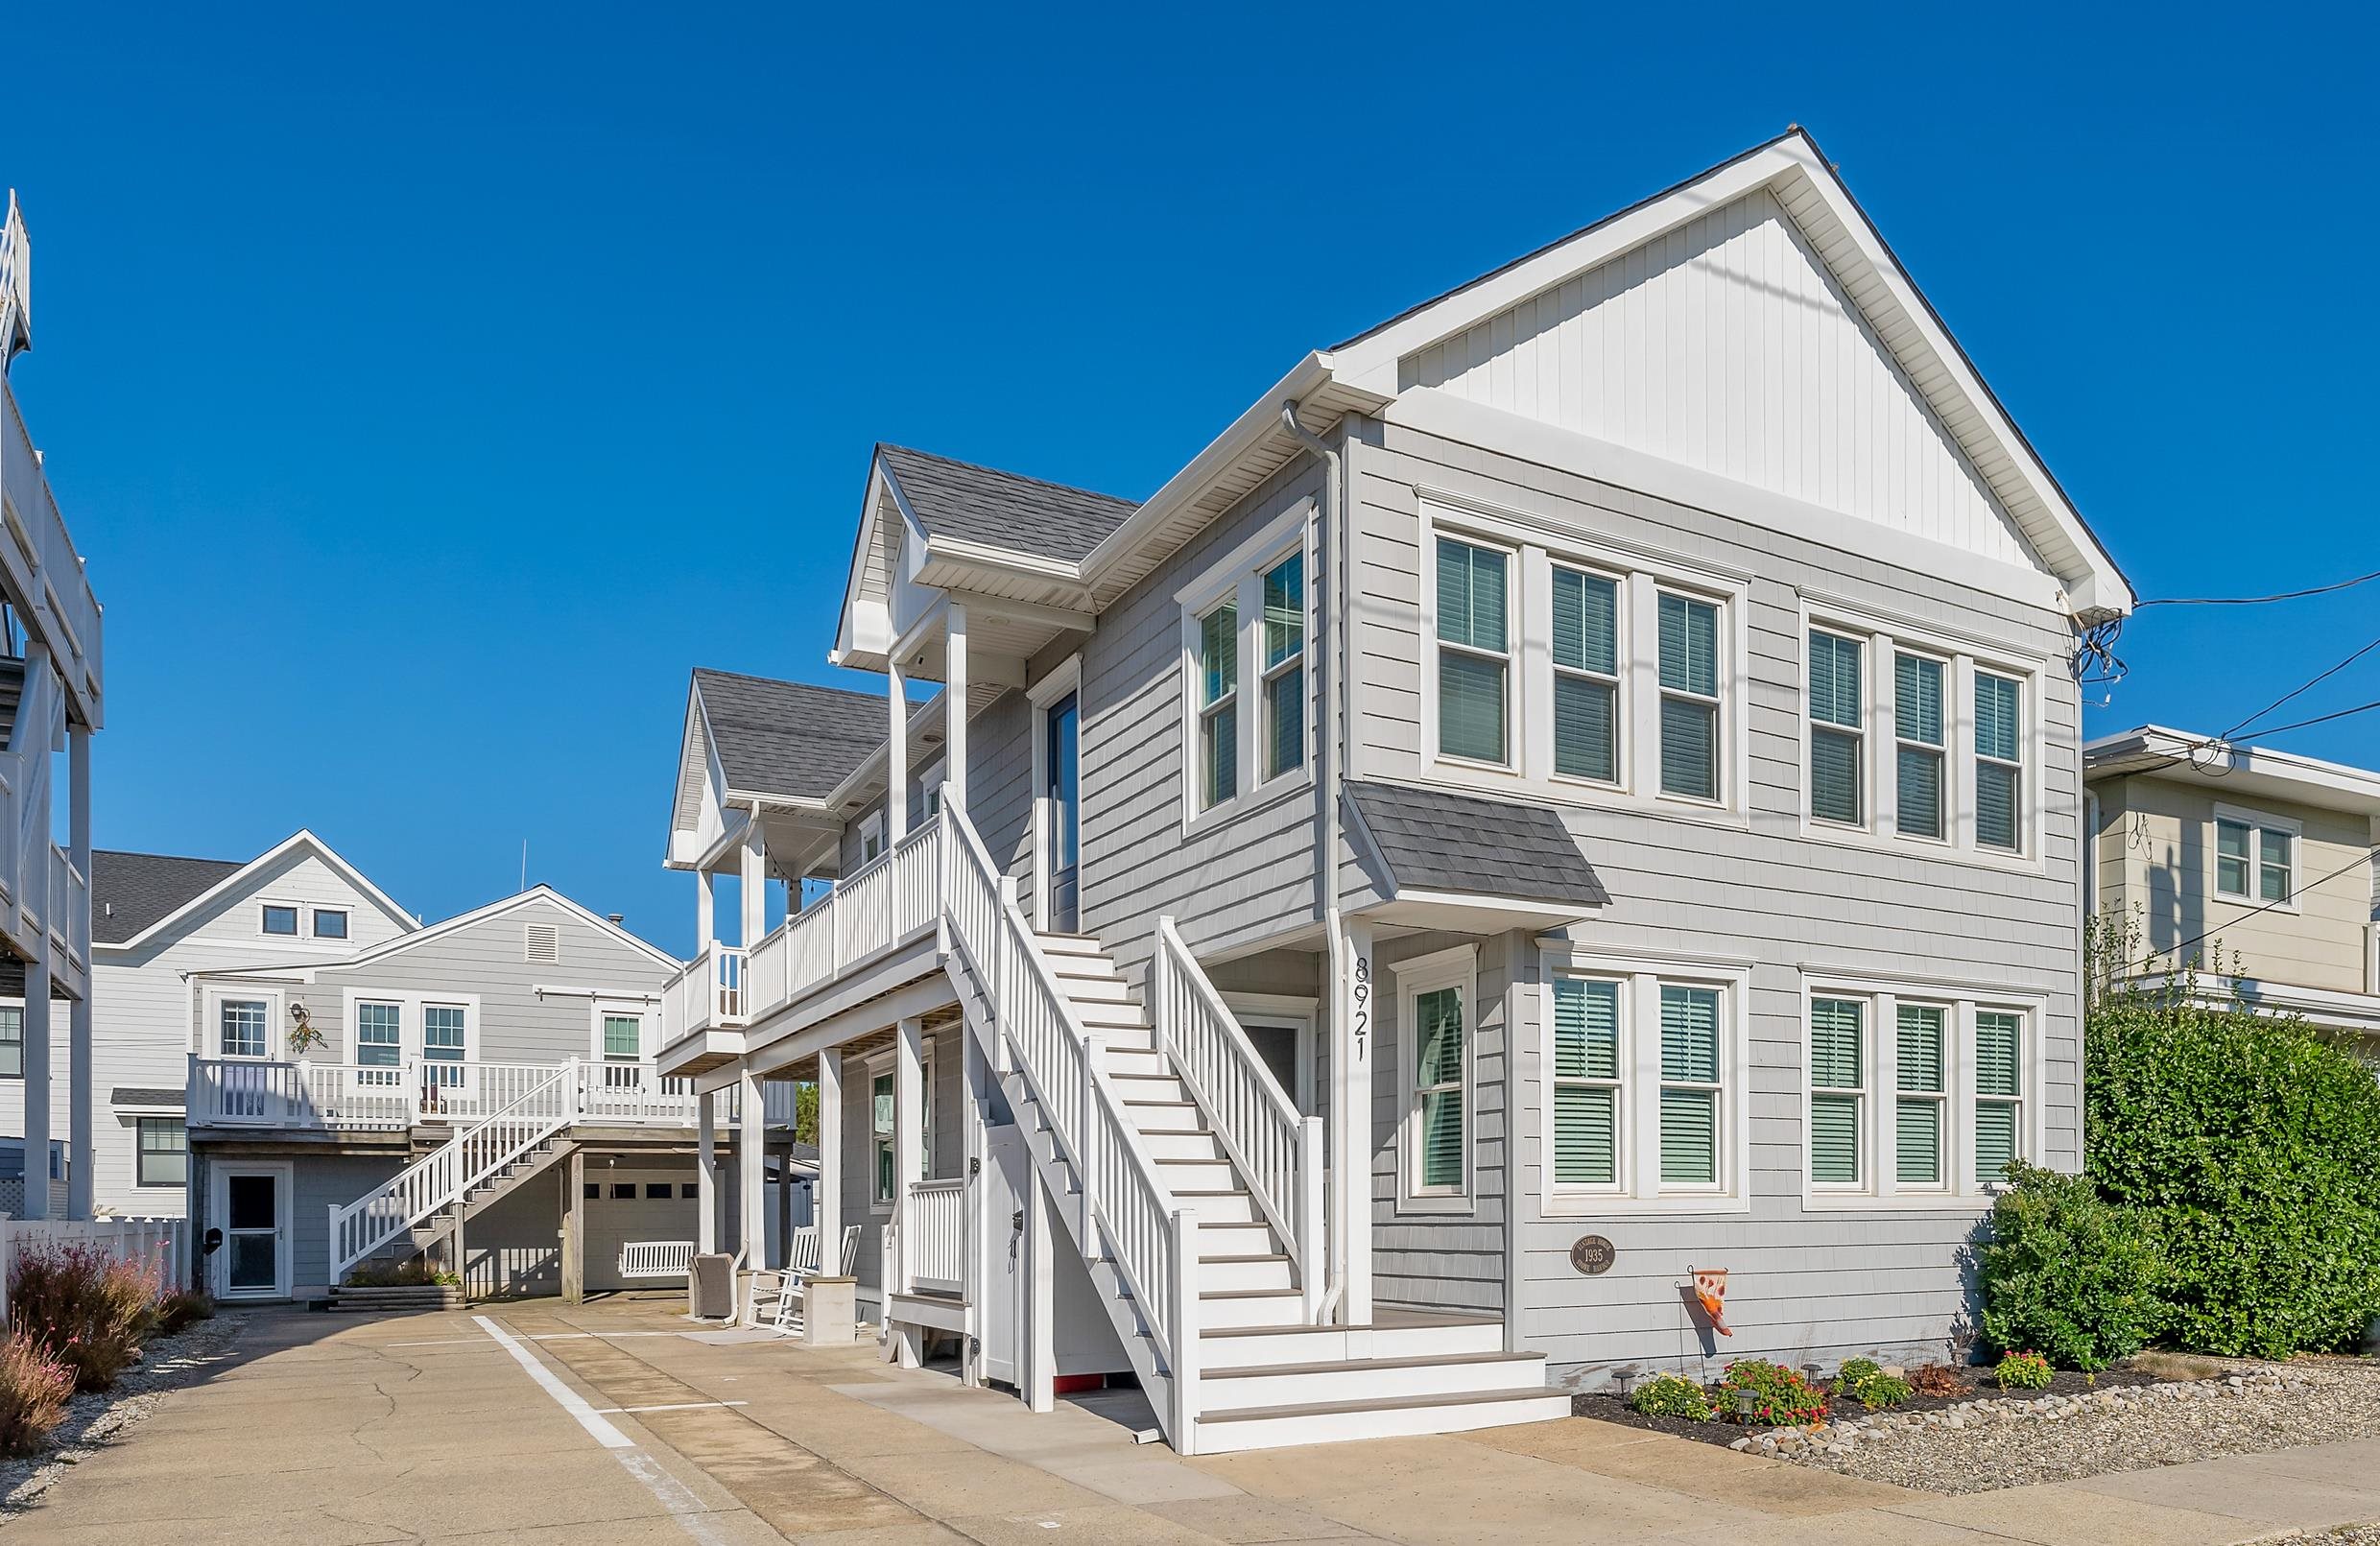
(1002, 509)
(1432, 839)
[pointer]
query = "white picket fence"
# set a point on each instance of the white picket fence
(162, 1243)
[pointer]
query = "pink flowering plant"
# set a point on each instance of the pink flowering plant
(86, 1309)
(33, 1391)
(1780, 1397)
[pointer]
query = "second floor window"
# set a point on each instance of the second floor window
(1218, 705)
(330, 923)
(1918, 739)
(242, 1027)
(1689, 697)
(1838, 717)
(1284, 666)
(1999, 768)
(1247, 707)
(379, 1038)
(443, 1040)
(1474, 651)
(1586, 676)
(2256, 860)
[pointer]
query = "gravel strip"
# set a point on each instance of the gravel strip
(2343, 1535)
(94, 1417)
(1983, 1445)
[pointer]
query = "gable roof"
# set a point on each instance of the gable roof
(129, 891)
(235, 876)
(459, 921)
(1001, 510)
(1468, 845)
(786, 739)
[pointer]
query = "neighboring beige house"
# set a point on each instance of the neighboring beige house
(2257, 861)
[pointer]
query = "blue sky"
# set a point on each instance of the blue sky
(430, 391)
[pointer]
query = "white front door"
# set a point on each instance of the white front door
(250, 1204)
(1005, 1292)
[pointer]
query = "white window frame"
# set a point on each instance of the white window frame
(18, 1005)
(1624, 1101)
(1953, 1124)
(1879, 1187)
(1812, 726)
(1721, 627)
(1641, 1191)
(297, 911)
(210, 1025)
(346, 924)
(604, 1008)
(2258, 823)
(1889, 638)
(1298, 659)
(1642, 572)
(1622, 731)
(1510, 657)
(391, 1073)
(871, 832)
(883, 1064)
(411, 1004)
(1457, 969)
(1238, 579)
(1208, 716)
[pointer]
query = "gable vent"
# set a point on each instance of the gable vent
(543, 943)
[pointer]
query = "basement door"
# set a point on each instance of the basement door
(1010, 1172)
(251, 1205)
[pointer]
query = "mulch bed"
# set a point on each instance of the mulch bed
(1612, 1407)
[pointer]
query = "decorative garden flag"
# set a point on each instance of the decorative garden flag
(1710, 1292)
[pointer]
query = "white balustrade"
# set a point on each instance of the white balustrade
(243, 1092)
(932, 1228)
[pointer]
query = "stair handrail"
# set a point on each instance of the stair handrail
(450, 1170)
(1152, 1242)
(1275, 1146)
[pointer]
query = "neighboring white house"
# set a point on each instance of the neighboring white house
(2255, 864)
(1579, 785)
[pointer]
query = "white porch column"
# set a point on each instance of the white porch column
(826, 1198)
(896, 759)
(955, 710)
(38, 1081)
(706, 1175)
(751, 1164)
(705, 900)
(754, 888)
(974, 1242)
(909, 1141)
(79, 1190)
(1354, 1024)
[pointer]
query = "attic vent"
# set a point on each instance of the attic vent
(545, 943)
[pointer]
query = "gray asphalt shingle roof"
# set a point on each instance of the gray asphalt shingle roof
(146, 1095)
(789, 737)
(1434, 841)
(1002, 509)
(131, 890)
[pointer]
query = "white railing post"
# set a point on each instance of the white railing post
(1005, 1063)
(1182, 1334)
(1310, 1225)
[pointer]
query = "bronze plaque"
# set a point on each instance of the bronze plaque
(1592, 1255)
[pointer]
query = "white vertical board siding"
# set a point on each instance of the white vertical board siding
(1727, 346)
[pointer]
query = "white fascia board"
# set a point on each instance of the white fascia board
(2198, 759)
(865, 628)
(240, 879)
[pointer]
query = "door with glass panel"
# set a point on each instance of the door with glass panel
(446, 1073)
(625, 1080)
(1062, 815)
(250, 1206)
(246, 1088)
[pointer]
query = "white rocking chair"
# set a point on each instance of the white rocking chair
(801, 1263)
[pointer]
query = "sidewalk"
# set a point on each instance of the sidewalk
(438, 1426)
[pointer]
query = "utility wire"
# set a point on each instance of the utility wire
(2279, 901)
(2256, 601)
(2295, 692)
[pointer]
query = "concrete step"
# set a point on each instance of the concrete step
(1225, 1431)
(1286, 1342)
(1370, 1379)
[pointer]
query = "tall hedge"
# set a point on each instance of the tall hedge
(2249, 1149)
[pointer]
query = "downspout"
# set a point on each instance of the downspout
(1336, 578)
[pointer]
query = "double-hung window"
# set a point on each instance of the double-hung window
(1586, 1083)
(1689, 673)
(12, 1041)
(1218, 705)
(162, 1153)
(1690, 1085)
(2255, 858)
(443, 1028)
(1440, 1093)
(1999, 1092)
(1586, 676)
(1474, 652)
(1919, 746)
(1838, 1039)
(1837, 718)
(880, 1138)
(1919, 1095)
(1999, 766)
(377, 1041)
(2274, 869)
(1285, 666)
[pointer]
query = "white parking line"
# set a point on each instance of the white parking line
(675, 1406)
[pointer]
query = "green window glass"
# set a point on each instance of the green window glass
(1284, 666)
(1999, 1092)
(623, 1038)
(1689, 1086)
(1917, 1107)
(1438, 1092)
(1837, 1037)
(2231, 858)
(1918, 731)
(1586, 1081)
(1587, 682)
(1836, 714)
(2273, 870)
(1218, 705)
(1999, 780)
(1473, 650)
(1689, 649)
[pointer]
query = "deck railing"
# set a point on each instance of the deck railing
(933, 1226)
(246, 1092)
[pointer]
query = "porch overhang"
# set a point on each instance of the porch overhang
(699, 1053)
(1461, 914)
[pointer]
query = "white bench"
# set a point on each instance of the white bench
(656, 1258)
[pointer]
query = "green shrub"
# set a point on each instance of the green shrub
(33, 1391)
(1856, 1371)
(2023, 1371)
(2064, 1273)
(1781, 1397)
(1672, 1395)
(417, 1273)
(1881, 1392)
(2248, 1147)
(179, 1309)
(84, 1308)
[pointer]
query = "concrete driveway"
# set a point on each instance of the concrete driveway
(611, 1423)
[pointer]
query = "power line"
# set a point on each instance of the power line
(2295, 692)
(2258, 601)
(2279, 901)
(2319, 719)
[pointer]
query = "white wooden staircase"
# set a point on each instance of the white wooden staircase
(1193, 1189)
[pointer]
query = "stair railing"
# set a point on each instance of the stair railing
(1278, 1149)
(1123, 1209)
(447, 1174)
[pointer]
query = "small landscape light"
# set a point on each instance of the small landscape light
(1744, 1403)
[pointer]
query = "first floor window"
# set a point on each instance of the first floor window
(1919, 738)
(1999, 771)
(1838, 1034)
(12, 1041)
(1440, 1093)
(880, 1136)
(1586, 1083)
(1918, 1097)
(163, 1155)
(1689, 650)
(1285, 666)
(1690, 1078)
(1838, 713)
(1999, 1093)
(1218, 705)
(1586, 676)
(242, 1028)
(1474, 651)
